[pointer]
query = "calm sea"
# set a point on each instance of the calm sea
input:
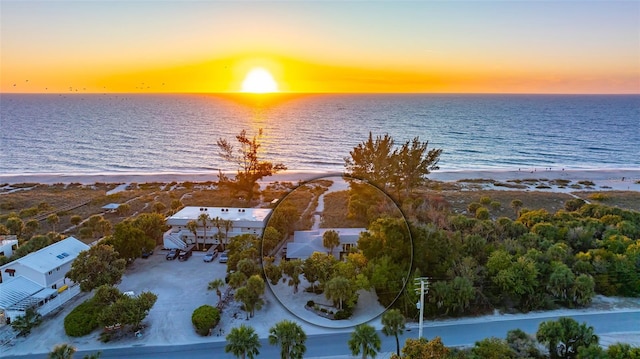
(177, 133)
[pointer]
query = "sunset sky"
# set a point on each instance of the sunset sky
(321, 46)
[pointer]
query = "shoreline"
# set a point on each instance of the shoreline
(603, 179)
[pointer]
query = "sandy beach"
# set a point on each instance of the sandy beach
(604, 179)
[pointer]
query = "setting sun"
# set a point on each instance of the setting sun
(259, 80)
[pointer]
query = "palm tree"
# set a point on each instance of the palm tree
(242, 342)
(330, 240)
(216, 284)
(339, 289)
(228, 224)
(192, 226)
(217, 222)
(290, 337)
(62, 351)
(393, 324)
(365, 340)
(204, 219)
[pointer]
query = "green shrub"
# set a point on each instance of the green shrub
(574, 204)
(482, 213)
(485, 200)
(473, 207)
(311, 303)
(495, 205)
(342, 314)
(598, 197)
(204, 318)
(82, 320)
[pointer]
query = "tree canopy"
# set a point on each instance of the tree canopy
(404, 167)
(96, 266)
(250, 167)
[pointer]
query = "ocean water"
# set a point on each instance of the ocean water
(115, 133)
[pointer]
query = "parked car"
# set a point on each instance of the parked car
(224, 257)
(186, 253)
(211, 254)
(173, 254)
(146, 253)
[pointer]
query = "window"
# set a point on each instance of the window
(50, 272)
(54, 287)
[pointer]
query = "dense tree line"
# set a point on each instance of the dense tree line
(538, 261)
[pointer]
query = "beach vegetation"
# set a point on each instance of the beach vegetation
(290, 337)
(393, 324)
(364, 341)
(248, 284)
(382, 164)
(273, 272)
(15, 225)
(271, 239)
(62, 351)
(250, 167)
(203, 219)
(75, 219)
(216, 285)
(205, 318)
(423, 348)
(600, 197)
(129, 241)
(565, 336)
(243, 342)
(128, 310)
(83, 319)
(330, 240)
(293, 269)
(23, 324)
(523, 345)
(492, 348)
(96, 266)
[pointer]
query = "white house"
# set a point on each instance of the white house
(38, 277)
(306, 242)
(8, 244)
(240, 221)
(48, 266)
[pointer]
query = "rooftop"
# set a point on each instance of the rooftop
(17, 289)
(226, 213)
(53, 256)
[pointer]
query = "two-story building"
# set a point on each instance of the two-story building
(223, 223)
(38, 277)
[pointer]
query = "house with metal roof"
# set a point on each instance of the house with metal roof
(37, 278)
(238, 221)
(47, 266)
(305, 243)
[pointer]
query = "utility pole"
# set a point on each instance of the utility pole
(424, 286)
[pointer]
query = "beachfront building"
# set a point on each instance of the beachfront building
(38, 279)
(306, 242)
(8, 244)
(223, 223)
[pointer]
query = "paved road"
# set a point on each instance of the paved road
(335, 344)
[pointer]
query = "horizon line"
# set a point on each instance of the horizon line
(266, 94)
